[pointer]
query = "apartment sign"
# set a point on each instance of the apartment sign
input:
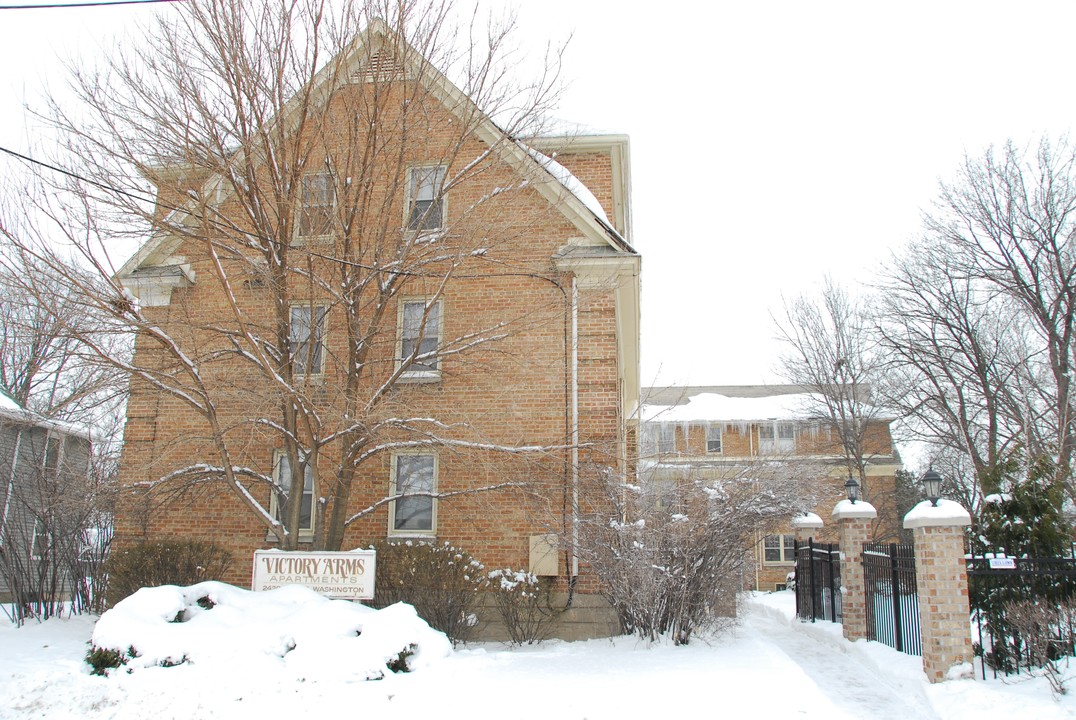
(343, 575)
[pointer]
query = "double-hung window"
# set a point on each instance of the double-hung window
(306, 339)
(413, 514)
(779, 549)
(425, 207)
(420, 335)
(713, 439)
(283, 476)
(316, 214)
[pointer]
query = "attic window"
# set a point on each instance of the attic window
(381, 66)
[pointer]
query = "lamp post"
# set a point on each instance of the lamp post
(852, 488)
(931, 483)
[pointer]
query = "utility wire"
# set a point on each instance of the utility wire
(101, 3)
(228, 227)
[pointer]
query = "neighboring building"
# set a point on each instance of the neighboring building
(40, 461)
(554, 264)
(690, 433)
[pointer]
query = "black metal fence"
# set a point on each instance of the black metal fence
(996, 587)
(892, 598)
(818, 581)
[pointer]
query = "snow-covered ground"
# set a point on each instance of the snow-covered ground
(770, 667)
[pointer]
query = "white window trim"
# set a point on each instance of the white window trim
(787, 549)
(298, 238)
(305, 534)
(432, 531)
(430, 233)
(314, 307)
(414, 375)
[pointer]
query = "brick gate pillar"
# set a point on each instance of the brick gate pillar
(941, 574)
(854, 523)
(806, 526)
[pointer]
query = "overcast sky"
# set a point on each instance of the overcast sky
(772, 142)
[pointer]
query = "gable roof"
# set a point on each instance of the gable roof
(564, 191)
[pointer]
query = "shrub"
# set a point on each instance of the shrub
(164, 562)
(103, 659)
(401, 663)
(523, 601)
(441, 582)
(672, 559)
(1043, 633)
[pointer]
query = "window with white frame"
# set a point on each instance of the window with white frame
(425, 208)
(414, 514)
(713, 439)
(779, 549)
(283, 475)
(306, 342)
(318, 198)
(777, 438)
(420, 336)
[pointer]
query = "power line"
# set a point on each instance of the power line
(100, 3)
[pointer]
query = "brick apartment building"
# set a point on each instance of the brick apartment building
(695, 433)
(477, 327)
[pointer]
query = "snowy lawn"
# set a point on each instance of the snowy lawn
(770, 667)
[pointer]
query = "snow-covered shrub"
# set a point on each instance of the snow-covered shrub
(164, 562)
(524, 603)
(218, 625)
(442, 582)
(672, 559)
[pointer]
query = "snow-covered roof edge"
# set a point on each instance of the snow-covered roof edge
(11, 410)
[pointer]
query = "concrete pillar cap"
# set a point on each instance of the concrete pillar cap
(807, 520)
(946, 514)
(846, 509)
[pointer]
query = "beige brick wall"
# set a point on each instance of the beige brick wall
(515, 391)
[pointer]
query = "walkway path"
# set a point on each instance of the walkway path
(847, 677)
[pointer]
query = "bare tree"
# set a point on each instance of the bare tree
(43, 366)
(674, 556)
(833, 355)
(279, 140)
(980, 315)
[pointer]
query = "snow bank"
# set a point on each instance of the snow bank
(315, 638)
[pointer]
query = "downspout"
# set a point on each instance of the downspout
(10, 484)
(573, 571)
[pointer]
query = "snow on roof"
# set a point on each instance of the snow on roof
(714, 406)
(571, 182)
(11, 409)
(7, 403)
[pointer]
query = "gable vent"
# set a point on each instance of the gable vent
(381, 66)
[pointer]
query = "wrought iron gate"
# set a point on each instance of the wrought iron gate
(891, 596)
(818, 581)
